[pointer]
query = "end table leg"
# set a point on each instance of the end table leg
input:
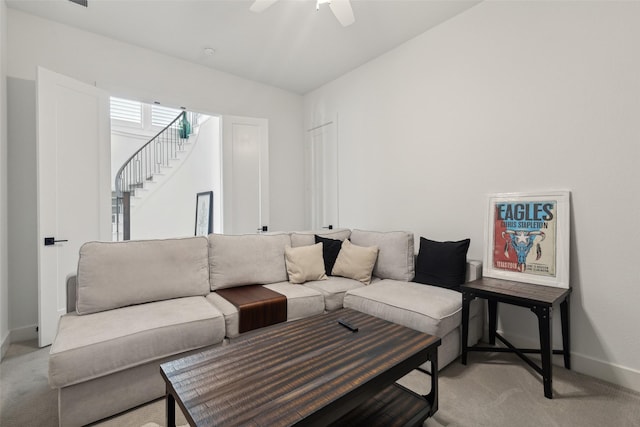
(432, 397)
(564, 317)
(493, 320)
(544, 323)
(171, 410)
(466, 300)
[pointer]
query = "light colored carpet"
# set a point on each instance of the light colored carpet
(493, 390)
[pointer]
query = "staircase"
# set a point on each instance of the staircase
(151, 163)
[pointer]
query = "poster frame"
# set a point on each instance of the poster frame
(561, 239)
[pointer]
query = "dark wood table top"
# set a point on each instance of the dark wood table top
(547, 295)
(306, 372)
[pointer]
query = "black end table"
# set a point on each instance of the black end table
(540, 300)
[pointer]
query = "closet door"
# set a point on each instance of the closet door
(245, 153)
(322, 158)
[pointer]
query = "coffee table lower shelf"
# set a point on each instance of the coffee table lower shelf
(394, 406)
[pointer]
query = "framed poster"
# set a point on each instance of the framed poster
(204, 213)
(527, 238)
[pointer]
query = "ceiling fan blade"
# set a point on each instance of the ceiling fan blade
(343, 11)
(260, 5)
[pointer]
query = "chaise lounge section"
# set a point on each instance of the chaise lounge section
(137, 304)
(404, 303)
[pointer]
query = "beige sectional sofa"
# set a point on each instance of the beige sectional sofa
(134, 305)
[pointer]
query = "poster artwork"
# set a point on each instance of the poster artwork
(524, 238)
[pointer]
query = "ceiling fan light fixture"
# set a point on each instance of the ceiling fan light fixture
(319, 2)
(340, 8)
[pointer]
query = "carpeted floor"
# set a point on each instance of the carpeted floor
(493, 390)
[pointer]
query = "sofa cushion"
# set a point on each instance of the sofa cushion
(230, 313)
(306, 238)
(301, 302)
(396, 257)
(117, 274)
(355, 262)
(330, 251)
(450, 347)
(98, 344)
(442, 263)
(333, 290)
(252, 259)
(305, 263)
(430, 309)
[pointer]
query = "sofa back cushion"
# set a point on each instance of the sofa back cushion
(252, 259)
(117, 274)
(306, 238)
(442, 264)
(396, 258)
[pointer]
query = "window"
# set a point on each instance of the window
(162, 116)
(127, 115)
(126, 112)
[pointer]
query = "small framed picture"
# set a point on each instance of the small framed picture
(204, 213)
(527, 238)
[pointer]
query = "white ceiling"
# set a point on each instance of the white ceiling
(289, 45)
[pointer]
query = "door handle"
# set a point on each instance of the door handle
(49, 241)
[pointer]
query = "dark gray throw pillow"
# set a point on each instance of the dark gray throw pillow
(442, 264)
(330, 251)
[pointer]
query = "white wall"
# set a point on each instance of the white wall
(4, 287)
(171, 207)
(131, 72)
(509, 96)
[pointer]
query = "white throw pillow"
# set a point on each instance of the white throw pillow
(355, 262)
(305, 263)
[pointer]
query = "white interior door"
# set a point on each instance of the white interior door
(322, 154)
(74, 192)
(245, 151)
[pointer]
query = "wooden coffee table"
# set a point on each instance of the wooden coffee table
(311, 371)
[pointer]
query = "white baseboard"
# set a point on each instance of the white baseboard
(24, 333)
(587, 365)
(4, 345)
(607, 371)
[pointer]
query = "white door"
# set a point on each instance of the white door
(322, 155)
(74, 192)
(245, 175)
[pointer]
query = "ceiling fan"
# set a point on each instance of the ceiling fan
(340, 8)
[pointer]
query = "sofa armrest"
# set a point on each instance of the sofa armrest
(72, 284)
(474, 270)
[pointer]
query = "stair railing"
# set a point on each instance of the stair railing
(146, 162)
